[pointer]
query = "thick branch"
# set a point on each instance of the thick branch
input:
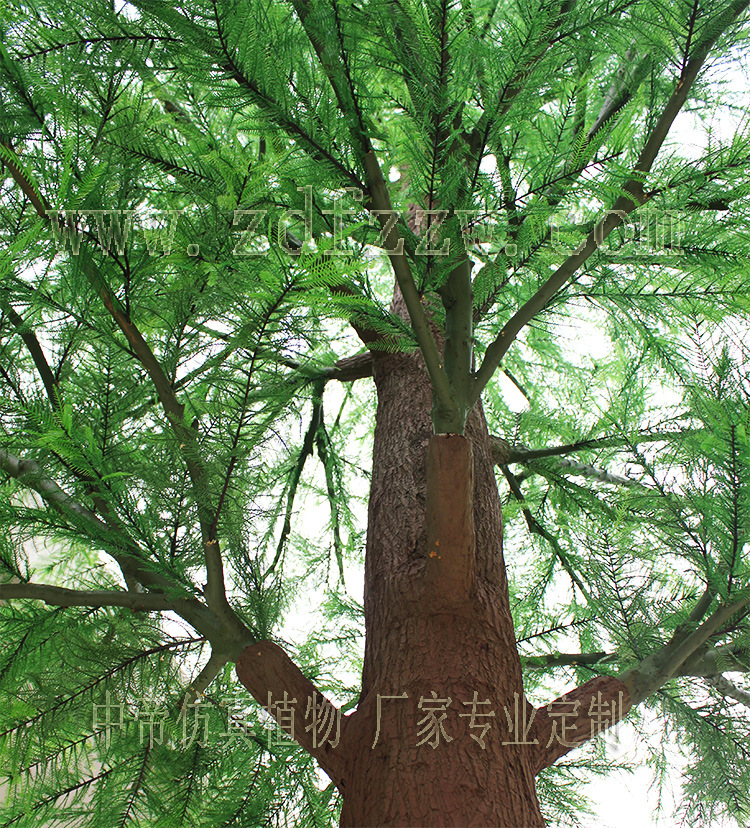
(271, 676)
(352, 368)
(580, 715)
(10, 160)
(618, 94)
(502, 451)
(566, 466)
(175, 412)
(712, 661)
(61, 597)
(658, 668)
(458, 300)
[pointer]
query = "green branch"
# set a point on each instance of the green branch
(536, 528)
(62, 597)
(633, 196)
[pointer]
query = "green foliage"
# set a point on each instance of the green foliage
(186, 124)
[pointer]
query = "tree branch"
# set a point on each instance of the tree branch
(564, 659)
(120, 547)
(504, 453)
(174, 410)
(269, 674)
(200, 683)
(29, 472)
(582, 714)
(582, 710)
(62, 597)
(707, 663)
(536, 528)
(727, 688)
(665, 663)
(37, 354)
(532, 55)
(381, 202)
(579, 712)
(618, 95)
(633, 196)
(712, 661)
(352, 368)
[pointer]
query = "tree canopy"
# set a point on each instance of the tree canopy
(204, 207)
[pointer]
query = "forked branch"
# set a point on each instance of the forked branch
(633, 196)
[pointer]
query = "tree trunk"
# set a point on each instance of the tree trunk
(443, 734)
(440, 653)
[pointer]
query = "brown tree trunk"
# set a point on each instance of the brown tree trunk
(442, 734)
(440, 636)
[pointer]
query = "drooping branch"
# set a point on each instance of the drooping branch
(536, 528)
(306, 451)
(324, 448)
(186, 434)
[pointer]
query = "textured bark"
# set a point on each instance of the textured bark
(271, 676)
(443, 734)
(438, 627)
(578, 716)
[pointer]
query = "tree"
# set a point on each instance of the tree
(218, 213)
